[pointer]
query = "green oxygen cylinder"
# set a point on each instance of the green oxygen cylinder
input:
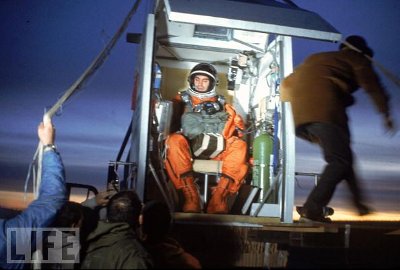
(262, 151)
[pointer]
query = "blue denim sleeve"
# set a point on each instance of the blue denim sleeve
(42, 211)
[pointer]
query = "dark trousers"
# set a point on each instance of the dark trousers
(335, 144)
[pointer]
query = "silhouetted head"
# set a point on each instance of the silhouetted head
(125, 206)
(156, 220)
(360, 43)
(71, 215)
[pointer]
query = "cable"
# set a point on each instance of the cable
(78, 84)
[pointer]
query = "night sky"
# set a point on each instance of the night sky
(46, 46)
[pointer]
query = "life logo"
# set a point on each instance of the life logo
(43, 245)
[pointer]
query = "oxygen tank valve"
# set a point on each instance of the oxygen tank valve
(265, 127)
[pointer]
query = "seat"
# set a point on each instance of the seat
(208, 168)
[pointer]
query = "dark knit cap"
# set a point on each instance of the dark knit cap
(360, 43)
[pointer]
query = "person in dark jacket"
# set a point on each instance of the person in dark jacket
(167, 252)
(114, 243)
(42, 211)
(320, 91)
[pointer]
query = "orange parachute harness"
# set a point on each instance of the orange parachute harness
(178, 152)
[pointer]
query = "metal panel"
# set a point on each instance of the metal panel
(267, 18)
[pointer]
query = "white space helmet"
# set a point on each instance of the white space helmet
(206, 70)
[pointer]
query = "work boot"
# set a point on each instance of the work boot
(191, 195)
(306, 217)
(218, 203)
(363, 210)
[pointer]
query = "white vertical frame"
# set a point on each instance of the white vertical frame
(141, 115)
(288, 136)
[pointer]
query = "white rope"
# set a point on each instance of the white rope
(99, 60)
(384, 70)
